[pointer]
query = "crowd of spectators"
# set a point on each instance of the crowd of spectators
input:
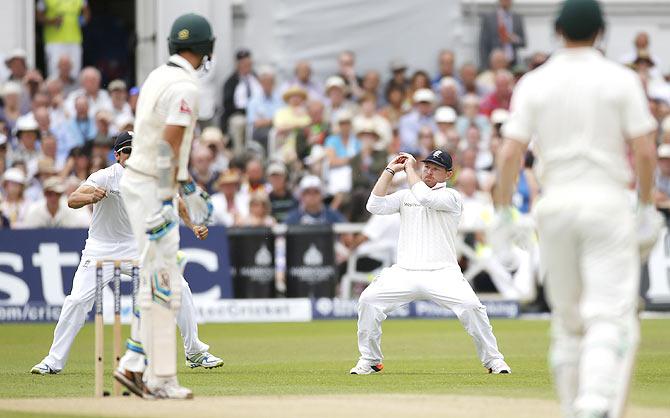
(296, 151)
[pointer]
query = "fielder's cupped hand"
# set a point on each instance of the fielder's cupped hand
(201, 231)
(410, 161)
(98, 194)
(397, 164)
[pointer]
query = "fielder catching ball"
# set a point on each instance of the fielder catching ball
(427, 266)
(582, 110)
(158, 168)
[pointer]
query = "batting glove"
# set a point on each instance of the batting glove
(649, 223)
(198, 202)
(161, 222)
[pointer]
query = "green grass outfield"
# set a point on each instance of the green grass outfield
(422, 356)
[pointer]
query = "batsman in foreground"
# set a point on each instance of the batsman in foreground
(427, 266)
(158, 168)
(110, 237)
(582, 110)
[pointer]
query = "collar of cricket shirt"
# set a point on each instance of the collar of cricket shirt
(181, 62)
(439, 186)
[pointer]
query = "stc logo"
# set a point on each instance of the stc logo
(21, 274)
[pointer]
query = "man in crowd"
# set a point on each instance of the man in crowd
(503, 29)
(411, 123)
(303, 78)
(238, 89)
(53, 212)
(312, 210)
(262, 107)
(281, 199)
(98, 99)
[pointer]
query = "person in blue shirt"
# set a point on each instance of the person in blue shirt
(262, 107)
(422, 115)
(312, 211)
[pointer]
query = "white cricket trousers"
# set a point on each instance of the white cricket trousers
(140, 196)
(80, 302)
(395, 287)
(592, 264)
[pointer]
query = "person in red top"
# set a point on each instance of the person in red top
(501, 96)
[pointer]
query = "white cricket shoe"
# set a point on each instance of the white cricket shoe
(365, 367)
(499, 366)
(204, 359)
(168, 389)
(42, 368)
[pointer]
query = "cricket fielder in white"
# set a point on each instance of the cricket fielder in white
(110, 237)
(582, 110)
(427, 266)
(158, 168)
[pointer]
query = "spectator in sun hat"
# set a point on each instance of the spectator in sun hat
(445, 119)
(289, 121)
(11, 98)
(27, 147)
(421, 115)
(17, 64)
(14, 203)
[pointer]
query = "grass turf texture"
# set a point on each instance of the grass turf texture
(422, 356)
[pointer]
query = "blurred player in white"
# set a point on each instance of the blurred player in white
(427, 266)
(158, 167)
(110, 237)
(582, 110)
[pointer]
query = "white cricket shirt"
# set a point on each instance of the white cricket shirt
(580, 108)
(169, 96)
(110, 221)
(428, 224)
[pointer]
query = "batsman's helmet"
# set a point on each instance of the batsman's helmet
(191, 32)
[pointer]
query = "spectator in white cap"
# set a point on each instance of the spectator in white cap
(312, 210)
(421, 115)
(27, 148)
(263, 107)
(663, 176)
(341, 147)
(368, 115)
(471, 116)
(445, 119)
(281, 199)
(89, 87)
(11, 98)
(448, 89)
(14, 204)
(336, 98)
(53, 211)
(118, 92)
(398, 69)
(17, 65)
(302, 76)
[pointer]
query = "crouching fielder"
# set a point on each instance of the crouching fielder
(427, 267)
(582, 110)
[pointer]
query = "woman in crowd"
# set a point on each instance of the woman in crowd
(14, 205)
(259, 212)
